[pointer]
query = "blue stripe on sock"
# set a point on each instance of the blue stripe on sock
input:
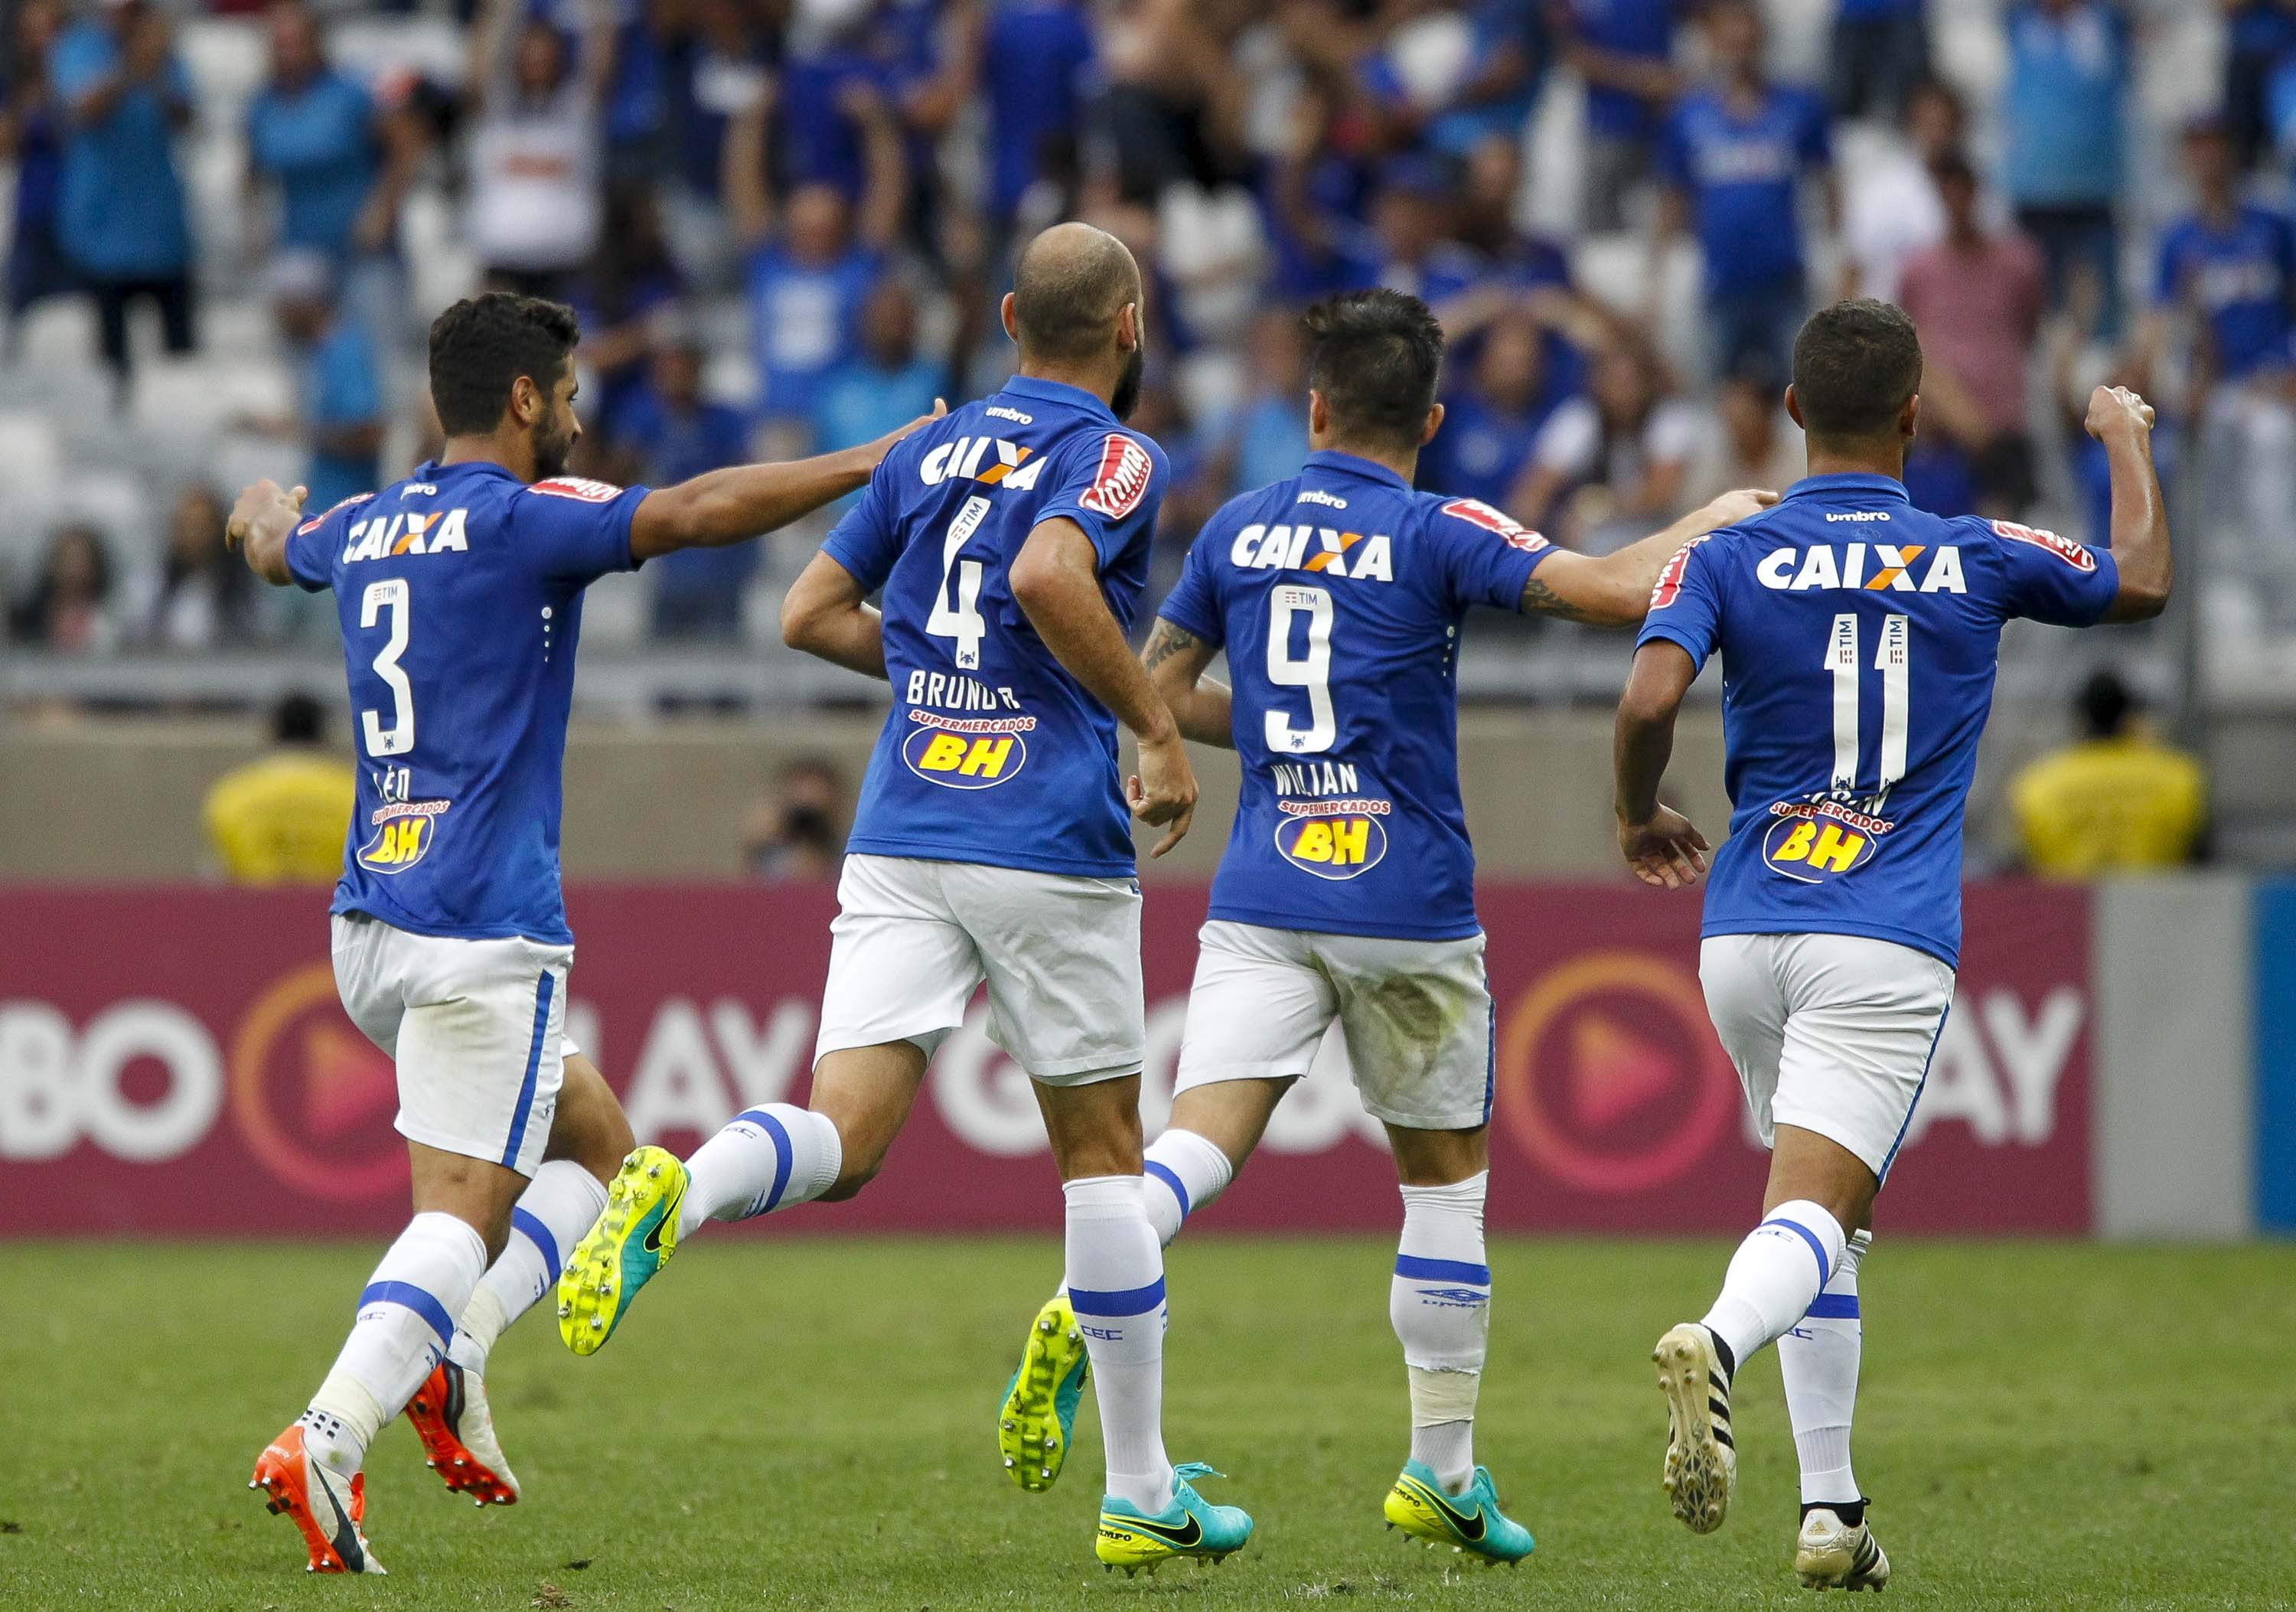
(1816, 1248)
(1412, 1267)
(537, 1234)
(1171, 1179)
(782, 1152)
(1835, 1307)
(1133, 1301)
(413, 1298)
(1881, 1176)
(542, 992)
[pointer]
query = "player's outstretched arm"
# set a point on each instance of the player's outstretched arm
(1659, 842)
(1175, 660)
(1057, 582)
(1614, 589)
(827, 613)
(261, 522)
(746, 501)
(2123, 421)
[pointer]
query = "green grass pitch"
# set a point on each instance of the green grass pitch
(807, 1424)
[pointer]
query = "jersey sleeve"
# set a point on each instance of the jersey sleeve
(1686, 606)
(310, 548)
(1193, 604)
(574, 529)
(1111, 484)
(865, 541)
(2053, 579)
(1486, 555)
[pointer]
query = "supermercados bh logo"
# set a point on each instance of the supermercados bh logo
(402, 833)
(313, 1097)
(1814, 842)
(967, 752)
(1333, 839)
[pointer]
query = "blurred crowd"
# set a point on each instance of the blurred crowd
(785, 224)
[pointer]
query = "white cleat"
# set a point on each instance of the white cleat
(1833, 1555)
(457, 1429)
(1702, 1463)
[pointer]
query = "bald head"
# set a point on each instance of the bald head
(1071, 283)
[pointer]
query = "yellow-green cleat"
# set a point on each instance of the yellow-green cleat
(1037, 1423)
(1471, 1523)
(632, 1241)
(1191, 1525)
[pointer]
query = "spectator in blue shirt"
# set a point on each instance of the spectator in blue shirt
(811, 267)
(673, 433)
(1493, 415)
(1624, 49)
(32, 132)
(2262, 39)
(866, 395)
(1035, 58)
(339, 165)
(339, 394)
(1880, 51)
(1734, 155)
(1267, 439)
(2062, 113)
(124, 93)
(2229, 266)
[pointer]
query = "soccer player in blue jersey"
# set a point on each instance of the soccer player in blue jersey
(1347, 891)
(1009, 544)
(460, 593)
(1858, 639)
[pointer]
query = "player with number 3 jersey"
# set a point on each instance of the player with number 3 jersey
(1347, 891)
(1858, 637)
(460, 595)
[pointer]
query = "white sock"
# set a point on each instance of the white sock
(404, 1322)
(559, 1203)
(1818, 1358)
(1440, 1304)
(1184, 1172)
(1116, 1282)
(766, 1158)
(1783, 1263)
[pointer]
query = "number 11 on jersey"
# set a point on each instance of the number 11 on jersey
(1893, 660)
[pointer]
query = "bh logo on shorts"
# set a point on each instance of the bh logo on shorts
(1815, 844)
(967, 755)
(1333, 844)
(402, 833)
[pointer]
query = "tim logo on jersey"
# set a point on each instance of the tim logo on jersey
(402, 833)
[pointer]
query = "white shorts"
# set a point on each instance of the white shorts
(1416, 1015)
(476, 1028)
(914, 939)
(1830, 1033)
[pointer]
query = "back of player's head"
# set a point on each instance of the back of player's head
(1856, 366)
(481, 346)
(1375, 357)
(1072, 283)
(2105, 705)
(299, 718)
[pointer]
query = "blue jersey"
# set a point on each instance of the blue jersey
(460, 594)
(1338, 596)
(1742, 173)
(994, 752)
(1858, 639)
(2241, 279)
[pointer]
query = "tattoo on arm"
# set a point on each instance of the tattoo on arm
(1538, 598)
(1165, 641)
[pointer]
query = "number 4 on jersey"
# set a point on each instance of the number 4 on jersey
(964, 623)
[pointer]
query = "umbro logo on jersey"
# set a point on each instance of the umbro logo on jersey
(1122, 480)
(1316, 549)
(1857, 515)
(990, 460)
(1867, 567)
(1316, 495)
(997, 411)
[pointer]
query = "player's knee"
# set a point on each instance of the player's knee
(851, 1179)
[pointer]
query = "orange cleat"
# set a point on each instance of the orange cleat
(328, 1512)
(450, 1416)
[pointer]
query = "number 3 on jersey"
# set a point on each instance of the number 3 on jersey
(1311, 671)
(389, 593)
(964, 623)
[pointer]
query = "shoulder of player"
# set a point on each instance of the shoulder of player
(337, 514)
(1123, 468)
(1473, 518)
(564, 490)
(2007, 538)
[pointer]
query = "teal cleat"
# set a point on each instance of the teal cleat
(1470, 1522)
(1131, 1539)
(1036, 1424)
(633, 1239)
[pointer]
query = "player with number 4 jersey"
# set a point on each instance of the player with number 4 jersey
(1347, 891)
(1858, 637)
(460, 595)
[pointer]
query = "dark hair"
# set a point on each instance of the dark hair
(1376, 357)
(1068, 288)
(2105, 703)
(299, 718)
(1855, 365)
(1953, 168)
(481, 346)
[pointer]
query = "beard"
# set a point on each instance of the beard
(553, 447)
(1128, 385)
